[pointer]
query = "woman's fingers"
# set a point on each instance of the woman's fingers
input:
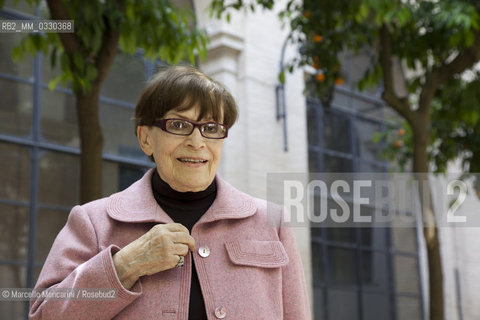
(167, 243)
(175, 232)
(174, 227)
(180, 249)
(183, 238)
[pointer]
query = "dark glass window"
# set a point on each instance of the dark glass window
(342, 304)
(313, 160)
(376, 306)
(367, 272)
(312, 129)
(317, 264)
(367, 149)
(342, 266)
(336, 132)
(58, 118)
(16, 107)
(337, 163)
(347, 235)
(39, 147)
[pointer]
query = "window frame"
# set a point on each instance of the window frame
(320, 239)
(36, 146)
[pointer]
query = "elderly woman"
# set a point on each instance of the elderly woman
(180, 243)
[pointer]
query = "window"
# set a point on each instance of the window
(39, 145)
(363, 273)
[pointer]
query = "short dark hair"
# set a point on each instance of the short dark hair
(181, 88)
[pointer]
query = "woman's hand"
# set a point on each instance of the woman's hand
(157, 250)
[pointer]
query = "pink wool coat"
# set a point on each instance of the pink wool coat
(251, 271)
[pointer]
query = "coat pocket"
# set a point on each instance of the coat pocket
(255, 253)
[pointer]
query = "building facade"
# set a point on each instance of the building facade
(352, 273)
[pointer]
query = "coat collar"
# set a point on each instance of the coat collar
(136, 204)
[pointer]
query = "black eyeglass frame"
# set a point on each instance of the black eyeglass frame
(162, 124)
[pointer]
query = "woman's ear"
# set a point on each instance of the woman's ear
(145, 139)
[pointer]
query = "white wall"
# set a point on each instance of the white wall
(460, 248)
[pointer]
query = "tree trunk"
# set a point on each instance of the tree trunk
(91, 144)
(430, 230)
(91, 139)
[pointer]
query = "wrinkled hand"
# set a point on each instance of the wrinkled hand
(157, 250)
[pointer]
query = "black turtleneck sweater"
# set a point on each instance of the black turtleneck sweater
(186, 208)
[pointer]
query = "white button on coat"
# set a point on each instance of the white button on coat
(204, 251)
(220, 312)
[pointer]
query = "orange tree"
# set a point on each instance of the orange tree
(436, 43)
(157, 27)
(454, 131)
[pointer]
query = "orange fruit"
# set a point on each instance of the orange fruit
(339, 81)
(317, 38)
(320, 77)
(398, 144)
(307, 14)
(316, 65)
(401, 132)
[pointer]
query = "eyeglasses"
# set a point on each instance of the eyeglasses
(182, 127)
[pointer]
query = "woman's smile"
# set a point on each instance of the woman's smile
(193, 162)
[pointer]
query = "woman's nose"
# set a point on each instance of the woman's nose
(195, 139)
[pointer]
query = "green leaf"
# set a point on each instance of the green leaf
(281, 77)
(378, 136)
(362, 13)
(65, 62)
(78, 61)
(18, 53)
(52, 84)
(96, 41)
(469, 39)
(92, 72)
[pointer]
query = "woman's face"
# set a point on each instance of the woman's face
(173, 152)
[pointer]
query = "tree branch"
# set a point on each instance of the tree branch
(400, 105)
(108, 49)
(106, 53)
(59, 11)
(464, 60)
